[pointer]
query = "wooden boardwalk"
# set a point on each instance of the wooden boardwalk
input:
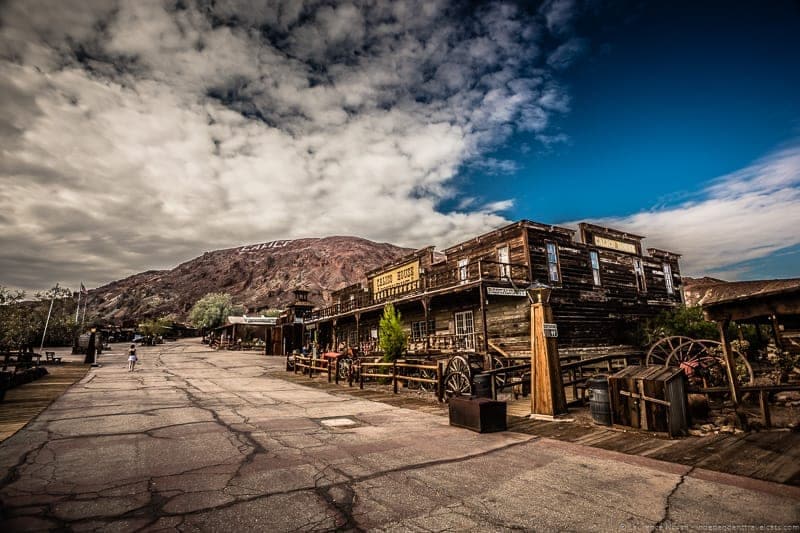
(24, 403)
(772, 455)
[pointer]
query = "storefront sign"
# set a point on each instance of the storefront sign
(400, 276)
(550, 330)
(615, 245)
(505, 291)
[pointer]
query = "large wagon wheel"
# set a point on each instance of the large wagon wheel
(458, 377)
(427, 374)
(661, 350)
(703, 362)
(344, 365)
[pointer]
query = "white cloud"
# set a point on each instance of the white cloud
(139, 134)
(743, 216)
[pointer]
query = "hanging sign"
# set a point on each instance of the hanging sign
(505, 291)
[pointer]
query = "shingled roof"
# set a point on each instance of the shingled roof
(723, 292)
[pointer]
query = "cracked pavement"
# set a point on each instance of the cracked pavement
(196, 440)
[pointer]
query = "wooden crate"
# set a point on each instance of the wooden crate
(650, 398)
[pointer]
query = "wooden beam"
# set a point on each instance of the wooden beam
(730, 364)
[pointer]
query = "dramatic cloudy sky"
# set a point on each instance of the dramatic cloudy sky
(138, 134)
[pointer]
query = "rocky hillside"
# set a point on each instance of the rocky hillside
(256, 276)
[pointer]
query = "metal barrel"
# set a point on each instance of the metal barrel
(599, 404)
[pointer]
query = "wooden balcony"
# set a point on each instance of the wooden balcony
(437, 278)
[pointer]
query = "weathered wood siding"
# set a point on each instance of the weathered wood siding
(596, 315)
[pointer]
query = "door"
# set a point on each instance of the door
(465, 331)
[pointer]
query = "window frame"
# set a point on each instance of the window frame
(668, 280)
(504, 266)
(463, 270)
(594, 257)
(639, 274)
(557, 262)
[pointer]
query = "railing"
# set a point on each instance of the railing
(437, 277)
(427, 374)
(509, 377)
(574, 371)
(449, 342)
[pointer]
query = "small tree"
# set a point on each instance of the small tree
(391, 337)
(155, 326)
(212, 310)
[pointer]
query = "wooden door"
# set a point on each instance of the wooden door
(465, 331)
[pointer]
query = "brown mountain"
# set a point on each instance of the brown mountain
(258, 275)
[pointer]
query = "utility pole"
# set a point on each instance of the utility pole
(47, 322)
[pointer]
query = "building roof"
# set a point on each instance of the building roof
(712, 294)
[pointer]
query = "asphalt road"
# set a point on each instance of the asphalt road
(196, 440)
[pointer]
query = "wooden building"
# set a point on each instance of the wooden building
(473, 296)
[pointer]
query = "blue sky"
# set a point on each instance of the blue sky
(661, 104)
(137, 135)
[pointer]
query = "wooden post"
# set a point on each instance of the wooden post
(439, 380)
(730, 364)
(547, 386)
(336, 375)
(329, 370)
(426, 302)
(763, 400)
(394, 375)
(776, 330)
(487, 360)
(360, 377)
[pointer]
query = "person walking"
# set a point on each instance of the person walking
(132, 357)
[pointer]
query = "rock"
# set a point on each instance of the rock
(727, 429)
(707, 427)
(697, 433)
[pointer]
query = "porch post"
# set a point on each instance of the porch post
(547, 387)
(730, 364)
(487, 361)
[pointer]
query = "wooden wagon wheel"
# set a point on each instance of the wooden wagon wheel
(703, 363)
(427, 374)
(458, 377)
(343, 367)
(661, 350)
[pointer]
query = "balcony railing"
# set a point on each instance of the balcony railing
(437, 277)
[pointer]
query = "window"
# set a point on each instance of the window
(638, 270)
(463, 274)
(595, 260)
(503, 259)
(668, 279)
(420, 330)
(552, 262)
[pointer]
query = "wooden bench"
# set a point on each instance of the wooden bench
(50, 357)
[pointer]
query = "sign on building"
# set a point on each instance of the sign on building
(615, 244)
(550, 330)
(506, 291)
(404, 276)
